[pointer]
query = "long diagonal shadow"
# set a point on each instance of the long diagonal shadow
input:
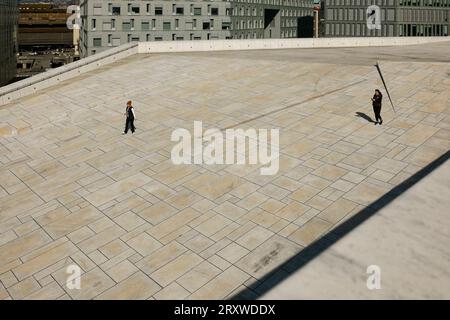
(274, 277)
(295, 104)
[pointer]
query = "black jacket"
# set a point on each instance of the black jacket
(130, 112)
(376, 100)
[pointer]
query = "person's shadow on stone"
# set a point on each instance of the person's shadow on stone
(364, 116)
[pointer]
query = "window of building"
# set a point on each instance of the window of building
(179, 38)
(126, 26)
(135, 9)
(158, 38)
(132, 24)
(116, 42)
(94, 24)
(214, 11)
(391, 30)
(97, 9)
(107, 25)
(166, 25)
(109, 39)
(116, 11)
(97, 42)
(147, 8)
(197, 11)
(206, 26)
(225, 26)
(113, 24)
(147, 37)
(179, 11)
(194, 24)
(158, 11)
(135, 39)
(145, 25)
(177, 23)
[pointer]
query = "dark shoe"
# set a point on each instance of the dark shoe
(381, 122)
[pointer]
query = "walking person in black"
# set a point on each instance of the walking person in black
(376, 103)
(129, 124)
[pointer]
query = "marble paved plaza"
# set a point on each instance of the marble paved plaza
(73, 190)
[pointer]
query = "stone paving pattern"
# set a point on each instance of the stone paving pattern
(73, 190)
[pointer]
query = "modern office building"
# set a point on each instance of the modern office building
(9, 14)
(111, 23)
(386, 18)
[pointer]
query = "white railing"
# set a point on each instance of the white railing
(261, 44)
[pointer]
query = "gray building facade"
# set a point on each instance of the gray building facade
(9, 17)
(397, 18)
(110, 23)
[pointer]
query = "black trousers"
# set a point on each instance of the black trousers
(377, 111)
(129, 124)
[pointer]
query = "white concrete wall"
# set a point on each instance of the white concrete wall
(259, 44)
(55, 76)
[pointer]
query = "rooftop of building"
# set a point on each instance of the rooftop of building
(73, 190)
